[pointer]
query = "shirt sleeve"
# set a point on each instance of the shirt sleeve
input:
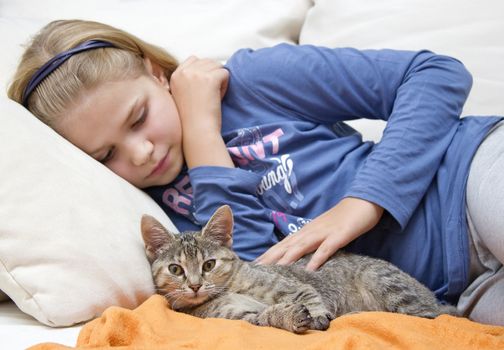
(254, 230)
(419, 94)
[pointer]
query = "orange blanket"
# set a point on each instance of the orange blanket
(153, 326)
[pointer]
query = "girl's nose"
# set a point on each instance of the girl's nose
(141, 152)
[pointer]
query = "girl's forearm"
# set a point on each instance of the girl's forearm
(197, 87)
(203, 147)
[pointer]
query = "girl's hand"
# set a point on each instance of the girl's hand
(327, 233)
(197, 86)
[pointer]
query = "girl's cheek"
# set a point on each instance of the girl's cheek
(121, 169)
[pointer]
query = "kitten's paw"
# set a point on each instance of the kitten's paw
(321, 323)
(301, 318)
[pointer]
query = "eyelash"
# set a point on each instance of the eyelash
(142, 118)
(108, 156)
(135, 125)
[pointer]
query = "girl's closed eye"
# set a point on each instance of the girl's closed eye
(141, 119)
(108, 156)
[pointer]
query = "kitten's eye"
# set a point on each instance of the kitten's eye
(208, 265)
(175, 269)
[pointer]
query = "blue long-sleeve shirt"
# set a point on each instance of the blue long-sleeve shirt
(283, 124)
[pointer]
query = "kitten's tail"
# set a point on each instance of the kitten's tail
(449, 310)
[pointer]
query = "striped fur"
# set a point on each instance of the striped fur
(200, 275)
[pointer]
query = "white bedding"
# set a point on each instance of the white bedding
(19, 330)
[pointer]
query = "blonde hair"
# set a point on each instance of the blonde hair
(83, 71)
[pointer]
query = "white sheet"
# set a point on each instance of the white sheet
(19, 330)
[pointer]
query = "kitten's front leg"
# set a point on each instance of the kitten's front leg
(309, 297)
(291, 317)
(287, 289)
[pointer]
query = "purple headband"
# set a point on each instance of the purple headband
(51, 65)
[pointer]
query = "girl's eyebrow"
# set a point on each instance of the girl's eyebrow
(131, 114)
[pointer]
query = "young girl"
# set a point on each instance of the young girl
(265, 134)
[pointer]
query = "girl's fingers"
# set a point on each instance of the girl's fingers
(302, 247)
(224, 82)
(275, 253)
(209, 64)
(194, 67)
(296, 246)
(204, 64)
(222, 74)
(322, 254)
(187, 62)
(272, 255)
(290, 249)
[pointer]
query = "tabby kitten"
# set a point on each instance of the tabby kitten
(200, 275)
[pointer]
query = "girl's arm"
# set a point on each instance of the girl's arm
(419, 94)
(198, 86)
(332, 230)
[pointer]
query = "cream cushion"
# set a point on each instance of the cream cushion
(70, 241)
(469, 30)
(70, 244)
(214, 29)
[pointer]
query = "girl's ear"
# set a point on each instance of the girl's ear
(156, 71)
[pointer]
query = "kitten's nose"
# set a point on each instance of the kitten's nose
(195, 287)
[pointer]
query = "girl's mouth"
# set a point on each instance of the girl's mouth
(160, 167)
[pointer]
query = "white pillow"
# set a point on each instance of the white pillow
(70, 242)
(69, 228)
(469, 30)
(214, 29)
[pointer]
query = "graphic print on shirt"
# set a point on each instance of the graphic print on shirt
(278, 188)
(261, 154)
(288, 224)
(179, 196)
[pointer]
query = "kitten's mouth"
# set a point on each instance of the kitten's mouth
(198, 295)
(188, 301)
(197, 298)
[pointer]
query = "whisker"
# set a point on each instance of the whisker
(171, 294)
(173, 304)
(217, 290)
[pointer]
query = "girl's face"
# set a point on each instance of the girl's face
(132, 126)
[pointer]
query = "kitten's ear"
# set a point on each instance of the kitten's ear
(155, 235)
(220, 227)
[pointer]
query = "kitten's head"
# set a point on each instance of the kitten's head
(191, 267)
